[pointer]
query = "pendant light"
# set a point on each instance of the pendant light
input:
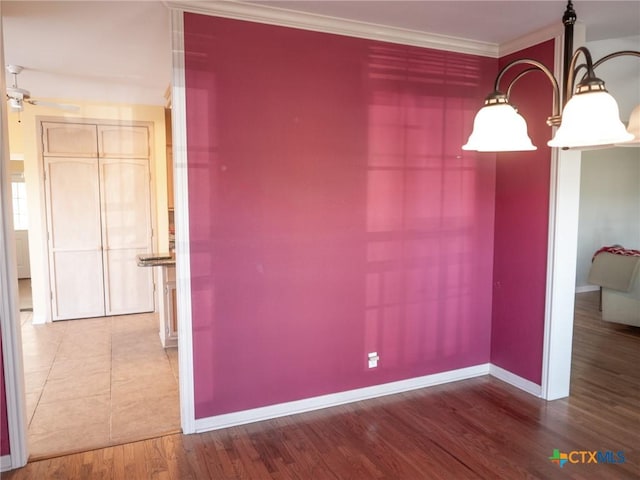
(590, 118)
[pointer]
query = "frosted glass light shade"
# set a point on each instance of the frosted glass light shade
(499, 128)
(590, 119)
(633, 128)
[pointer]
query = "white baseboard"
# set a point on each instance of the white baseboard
(334, 399)
(515, 380)
(331, 400)
(38, 319)
(5, 463)
(587, 288)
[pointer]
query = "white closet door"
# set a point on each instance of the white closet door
(69, 140)
(126, 232)
(123, 141)
(75, 244)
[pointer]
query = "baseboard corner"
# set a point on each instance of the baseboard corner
(5, 463)
(38, 319)
(515, 380)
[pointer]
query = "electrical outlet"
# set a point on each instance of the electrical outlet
(373, 359)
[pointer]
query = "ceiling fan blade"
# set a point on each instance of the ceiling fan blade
(61, 106)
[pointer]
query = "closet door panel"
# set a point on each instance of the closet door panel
(130, 287)
(78, 283)
(126, 232)
(119, 141)
(69, 140)
(75, 243)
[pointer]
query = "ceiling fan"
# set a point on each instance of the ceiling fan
(17, 96)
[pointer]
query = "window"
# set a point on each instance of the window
(19, 197)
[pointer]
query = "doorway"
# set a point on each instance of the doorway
(95, 382)
(98, 212)
(21, 232)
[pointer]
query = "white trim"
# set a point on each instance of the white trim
(551, 234)
(587, 288)
(562, 253)
(515, 380)
(181, 204)
(18, 157)
(9, 311)
(561, 274)
(542, 35)
(334, 399)
(339, 26)
(5, 463)
(38, 318)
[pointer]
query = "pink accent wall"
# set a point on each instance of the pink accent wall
(4, 424)
(332, 212)
(521, 229)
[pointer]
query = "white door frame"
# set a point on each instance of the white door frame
(562, 254)
(181, 219)
(9, 309)
(10, 322)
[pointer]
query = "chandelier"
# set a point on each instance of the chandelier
(586, 115)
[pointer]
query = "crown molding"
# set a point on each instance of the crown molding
(320, 23)
(530, 39)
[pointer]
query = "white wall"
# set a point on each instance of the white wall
(610, 179)
(621, 75)
(609, 204)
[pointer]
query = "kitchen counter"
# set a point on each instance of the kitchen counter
(156, 259)
(167, 298)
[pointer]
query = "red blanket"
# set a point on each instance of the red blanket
(618, 250)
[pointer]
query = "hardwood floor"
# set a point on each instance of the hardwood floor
(473, 429)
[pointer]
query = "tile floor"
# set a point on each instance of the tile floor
(24, 295)
(97, 382)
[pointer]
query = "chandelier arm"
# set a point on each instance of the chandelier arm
(518, 77)
(577, 69)
(571, 77)
(621, 53)
(535, 66)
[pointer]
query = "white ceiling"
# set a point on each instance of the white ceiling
(90, 50)
(119, 51)
(487, 21)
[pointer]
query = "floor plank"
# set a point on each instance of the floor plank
(480, 428)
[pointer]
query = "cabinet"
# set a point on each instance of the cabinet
(168, 307)
(169, 147)
(97, 194)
